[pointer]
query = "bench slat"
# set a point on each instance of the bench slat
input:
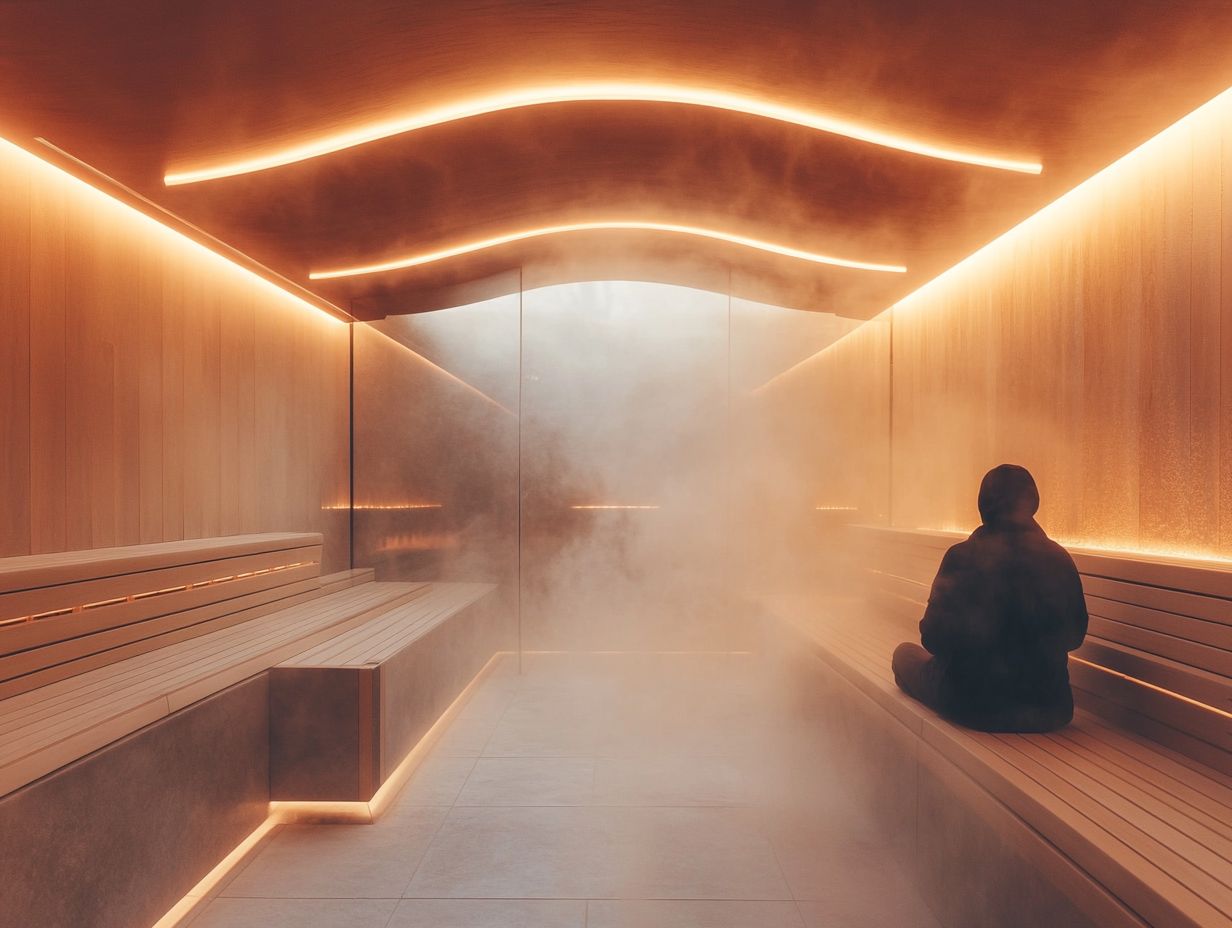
(151, 686)
(1156, 895)
(40, 570)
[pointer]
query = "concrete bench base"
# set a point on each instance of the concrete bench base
(343, 716)
(115, 839)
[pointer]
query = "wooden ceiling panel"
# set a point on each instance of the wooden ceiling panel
(144, 87)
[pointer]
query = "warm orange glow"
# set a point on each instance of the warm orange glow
(332, 812)
(408, 261)
(199, 893)
(134, 210)
(612, 506)
(1131, 549)
(1000, 249)
(836, 508)
(133, 597)
(374, 808)
(419, 541)
(588, 92)
(386, 506)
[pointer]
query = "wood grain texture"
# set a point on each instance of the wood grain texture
(15, 401)
(150, 391)
(1090, 344)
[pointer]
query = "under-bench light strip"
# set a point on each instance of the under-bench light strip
(281, 813)
(409, 261)
(149, 594)
(591, 92)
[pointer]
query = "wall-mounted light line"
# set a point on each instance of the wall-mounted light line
(591, 92)
(89, 181)
(386, 506)
(409, 261)
(611, 506)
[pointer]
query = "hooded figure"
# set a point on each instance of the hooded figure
(1005, 609)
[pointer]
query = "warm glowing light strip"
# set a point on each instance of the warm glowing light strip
(389, 506)
(1186, 557)
(1007, 238)
(133, 597)
(281, 813)
(836, 509)
(1151, 686)
(395, 264)
(199, 893)
(86, 179)
(593, 92)
(370, 811)
(1067, 199)
(613, 507)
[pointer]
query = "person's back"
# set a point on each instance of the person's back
(1005, 609)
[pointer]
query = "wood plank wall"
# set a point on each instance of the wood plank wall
(1092, 344)
(150, 391)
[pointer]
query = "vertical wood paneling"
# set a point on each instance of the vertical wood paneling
(48, 375)
(82, 370)
(150, 392)
(14, 362)
(147, 307)
(245, 412)
(1205, 328)
(1167, 219)
(173, 422)
(123, 283)
(1097, 335)
(1225, 333)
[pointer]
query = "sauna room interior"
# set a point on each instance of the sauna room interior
(469, 464)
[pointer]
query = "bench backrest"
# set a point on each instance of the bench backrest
(1158, 654)
(63, 614)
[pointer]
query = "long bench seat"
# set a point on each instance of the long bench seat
(1136, 833)
(1124, 817)
(45, 728)
(345, 713)
(136, 711)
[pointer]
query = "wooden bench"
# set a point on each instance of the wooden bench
(345, 713)
(1158, 654)
(136, 712)
(1124, 817)
(63, 614)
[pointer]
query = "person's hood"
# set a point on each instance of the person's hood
(1008, 497)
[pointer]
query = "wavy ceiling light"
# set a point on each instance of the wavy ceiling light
(429, 257)
(589, 93)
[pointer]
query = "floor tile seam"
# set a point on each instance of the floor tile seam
(449, 811)
(778, 862)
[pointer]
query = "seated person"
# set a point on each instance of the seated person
(1005, 609)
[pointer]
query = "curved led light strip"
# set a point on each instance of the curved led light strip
(588, 93)
(416, 260)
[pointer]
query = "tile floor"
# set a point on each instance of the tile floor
(603, 791)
